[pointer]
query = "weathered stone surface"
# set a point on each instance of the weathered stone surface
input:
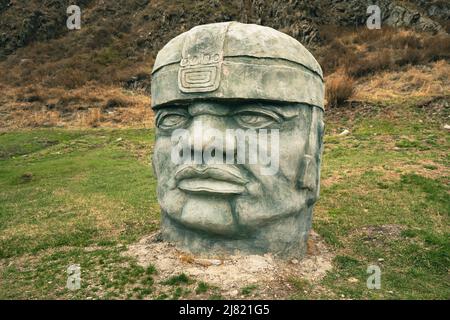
(398, 16)
(233, 76)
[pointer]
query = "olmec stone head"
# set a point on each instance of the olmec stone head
(239, 111)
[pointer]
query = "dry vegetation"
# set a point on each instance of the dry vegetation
(339, 87)
(355, 58)
(362, 52)
(414, 82)
(87, 106)
(96, 77)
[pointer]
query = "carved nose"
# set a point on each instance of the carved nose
(207, 134)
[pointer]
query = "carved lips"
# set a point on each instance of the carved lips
(223, 179)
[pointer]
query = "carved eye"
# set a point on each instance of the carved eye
(171, 120)
(256, 119)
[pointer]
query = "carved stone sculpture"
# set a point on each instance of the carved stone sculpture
(239, 117)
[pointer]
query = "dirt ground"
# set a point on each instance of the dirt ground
(266, 276)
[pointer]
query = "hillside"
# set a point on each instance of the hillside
(100, 75)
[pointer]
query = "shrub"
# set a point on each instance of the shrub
(69, 78)
(339, 87)
(410, 56)
(115, 103)
(371, 63)
(437, 47)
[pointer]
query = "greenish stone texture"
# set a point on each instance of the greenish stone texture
(234, 76)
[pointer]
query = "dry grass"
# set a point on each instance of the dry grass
(361, 51)
(339, 88)
(99, 78)
(87, 106)
(413, 82)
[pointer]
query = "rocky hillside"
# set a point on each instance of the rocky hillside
(43, 64)
(149, 24)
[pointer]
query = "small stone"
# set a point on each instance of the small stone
(216, 262)
(380, 260)
(344, 133)
(352, 280)
(294, 261)
(234, 293)
(119, 139)
(447, 127)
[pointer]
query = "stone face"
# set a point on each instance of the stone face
(261, 92)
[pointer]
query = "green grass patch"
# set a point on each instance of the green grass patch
(177, 280)
(81, 197)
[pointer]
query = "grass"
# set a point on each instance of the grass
(177, 280)
(82, 196)
(379, 204)
(360, 51)
(202, 287)
(87, 106)
(247, 290)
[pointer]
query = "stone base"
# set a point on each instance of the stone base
(284, 238)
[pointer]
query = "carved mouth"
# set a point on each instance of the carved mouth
(211, 179)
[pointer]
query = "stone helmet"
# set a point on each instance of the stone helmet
(231, 60)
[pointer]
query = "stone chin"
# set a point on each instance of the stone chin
(200, 212)
(284, 237)
(231, 210)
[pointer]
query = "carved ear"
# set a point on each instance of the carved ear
(308, 174)
(309, 171)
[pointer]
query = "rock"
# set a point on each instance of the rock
(399, 16)
(344, 133)
(447, 127)
(208, 262)
(380, 260)
(233, 293)
(352, 280)
(294, 261)
(213, 212)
